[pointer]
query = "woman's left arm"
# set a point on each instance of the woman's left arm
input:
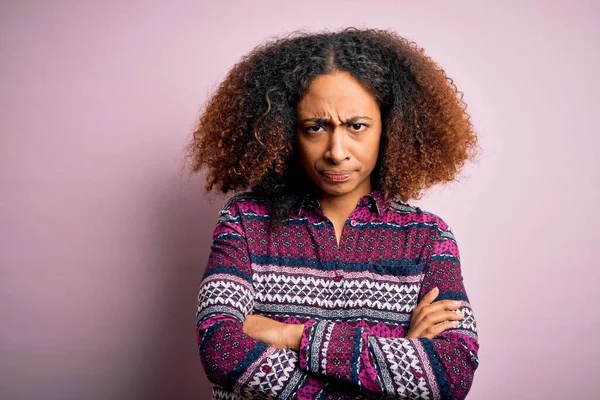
(414, 368)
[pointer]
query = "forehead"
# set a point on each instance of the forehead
(334, 93)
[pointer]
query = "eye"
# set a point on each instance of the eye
(357, 127)
(310, 129)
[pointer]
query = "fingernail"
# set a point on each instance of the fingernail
(455, 323)
(456, 303)
(435, 290)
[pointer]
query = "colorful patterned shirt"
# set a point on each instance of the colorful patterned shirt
(355, 300)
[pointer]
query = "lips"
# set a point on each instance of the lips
(337, 176)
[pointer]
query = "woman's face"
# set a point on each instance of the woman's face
(338, 134)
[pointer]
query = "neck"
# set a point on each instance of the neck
(341, 206)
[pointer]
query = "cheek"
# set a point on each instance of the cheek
(307, 153)
(374, 148)
(304, 157)
(367, 151)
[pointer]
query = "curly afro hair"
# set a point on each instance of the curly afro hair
(245, 136)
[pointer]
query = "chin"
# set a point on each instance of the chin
(337, 189)
(334, 191)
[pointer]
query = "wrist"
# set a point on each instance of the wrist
(293, 336)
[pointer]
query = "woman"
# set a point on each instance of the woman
(322, 281)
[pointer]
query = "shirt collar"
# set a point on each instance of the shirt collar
(374, 199)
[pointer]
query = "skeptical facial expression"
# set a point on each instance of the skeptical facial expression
(338, 134)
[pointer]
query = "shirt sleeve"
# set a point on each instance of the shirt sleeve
(232, 360)
(414, 368)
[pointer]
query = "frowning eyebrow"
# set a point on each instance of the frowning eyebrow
(349, 121)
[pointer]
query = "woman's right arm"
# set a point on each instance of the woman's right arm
(230, 358)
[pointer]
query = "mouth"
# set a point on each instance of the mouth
(340, 176)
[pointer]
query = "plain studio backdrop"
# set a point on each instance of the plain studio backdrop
(103, 237)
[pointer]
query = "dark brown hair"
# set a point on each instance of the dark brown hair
(245, 136)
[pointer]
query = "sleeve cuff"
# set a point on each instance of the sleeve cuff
(311, 344)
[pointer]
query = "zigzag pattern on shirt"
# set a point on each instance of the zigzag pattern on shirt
(277, 375)
(402, 363)
(339, 314)
(220, 394)
(326, 293)
(224, 294)
(468, 322)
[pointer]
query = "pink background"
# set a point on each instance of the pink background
(104, 237)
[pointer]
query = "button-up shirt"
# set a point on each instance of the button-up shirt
(355, 300)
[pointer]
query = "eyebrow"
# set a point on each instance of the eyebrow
(349, 121)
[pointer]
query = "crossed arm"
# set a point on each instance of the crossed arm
(322, 355)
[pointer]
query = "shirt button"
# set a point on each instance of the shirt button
(353, 223)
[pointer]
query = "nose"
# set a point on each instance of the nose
(336, 150)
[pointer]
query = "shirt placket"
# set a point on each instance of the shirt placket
(336, 254)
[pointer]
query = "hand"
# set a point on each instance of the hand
(273, 333)
(429, 320)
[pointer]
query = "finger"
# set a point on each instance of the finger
(440, 305)
(436, 329)
(430, 296)
(436, 313)
(444, 326)
(429, 328)
(427, 299)
(437, 317)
